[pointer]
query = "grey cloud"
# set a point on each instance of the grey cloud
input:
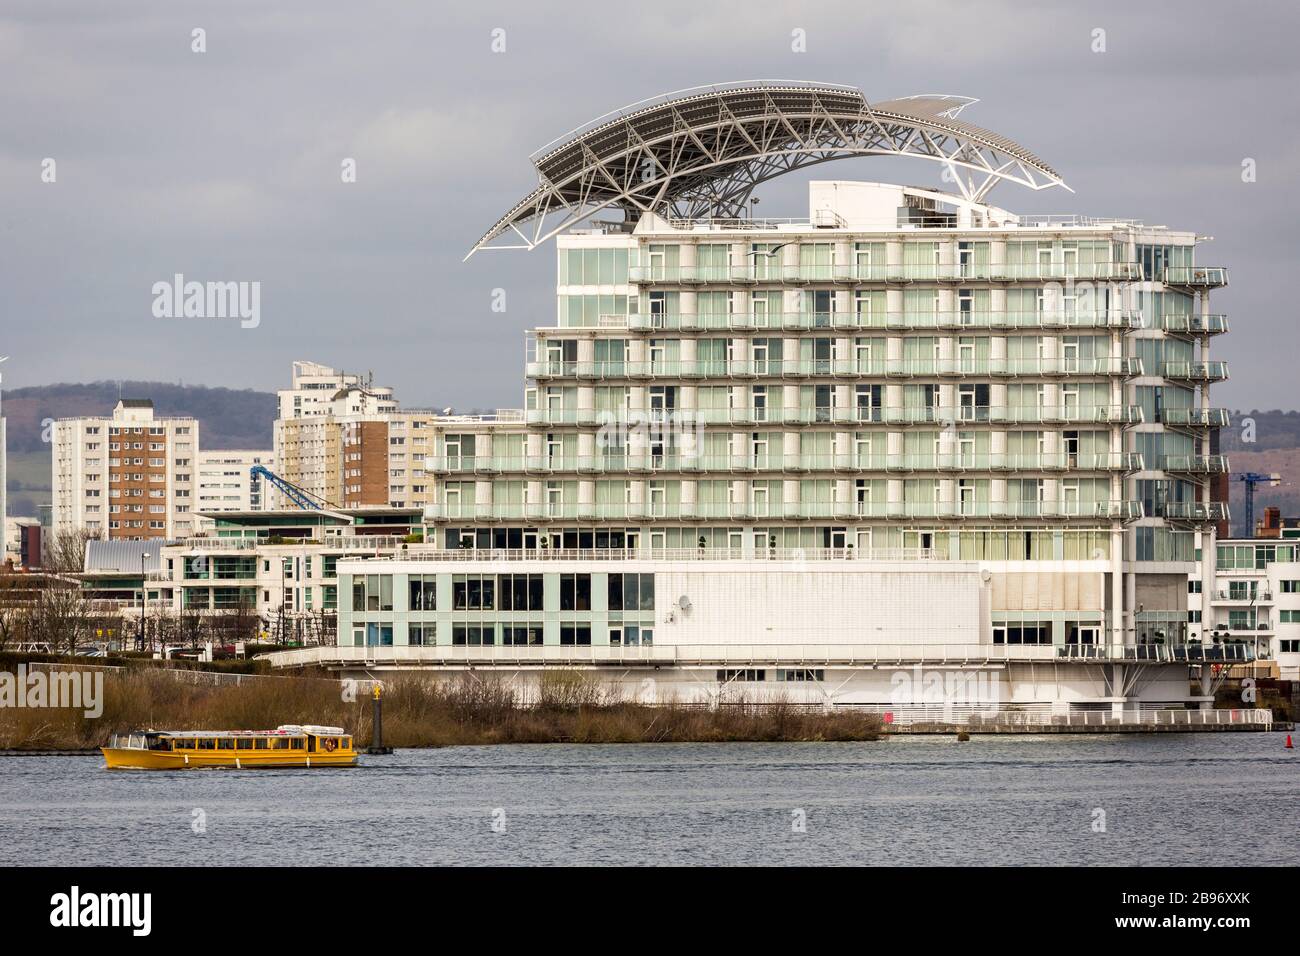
(225, 165)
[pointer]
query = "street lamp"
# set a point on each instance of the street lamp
(143, 598)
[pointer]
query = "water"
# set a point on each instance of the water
(1193, 799)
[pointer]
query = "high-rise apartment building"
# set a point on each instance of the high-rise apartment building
(129, 475)
(315, 391)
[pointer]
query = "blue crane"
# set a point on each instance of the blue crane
(301, 497)
(1251, 479)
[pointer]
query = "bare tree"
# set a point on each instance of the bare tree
(61, 617)
(66, 553)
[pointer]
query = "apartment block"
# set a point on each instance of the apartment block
(130, 475)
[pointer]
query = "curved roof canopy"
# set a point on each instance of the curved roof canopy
(701, 152)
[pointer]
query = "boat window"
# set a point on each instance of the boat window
(259, 743)
(280, 743)
(207, 743)
(297, 743)
(226, 743)
(245, 743)
(347, 743)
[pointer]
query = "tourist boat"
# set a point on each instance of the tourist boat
(292, 745)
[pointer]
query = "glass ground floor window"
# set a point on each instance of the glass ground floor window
(473, 635)
(575, 635)
(631, 635)
(372, 634)
(1024, 632)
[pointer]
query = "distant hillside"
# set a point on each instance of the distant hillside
(228, 418)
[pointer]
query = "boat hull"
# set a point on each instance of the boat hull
(121, 758)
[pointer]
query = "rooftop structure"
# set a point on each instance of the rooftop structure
(701, 152)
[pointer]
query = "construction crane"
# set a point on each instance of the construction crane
(1251, 479)
(301, 497)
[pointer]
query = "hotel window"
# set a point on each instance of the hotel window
(1029, 632)
(575, 593)
(631, 592)
(575, 635)
(520, 592)
(423, 592)
(521, 635)
(422, 635)
(372, 592)
(747, 675)
(473, 592)
(800, 674)
(379, 635)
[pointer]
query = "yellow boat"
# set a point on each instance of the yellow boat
(292, 745)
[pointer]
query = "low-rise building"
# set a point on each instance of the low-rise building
(1249, 595)
(224, 482)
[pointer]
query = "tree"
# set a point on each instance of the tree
(61, 617)
(66, 553)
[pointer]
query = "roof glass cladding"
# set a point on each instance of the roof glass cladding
(675, 147)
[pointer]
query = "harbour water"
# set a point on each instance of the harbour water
(1203, 799)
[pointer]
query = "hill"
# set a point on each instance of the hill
(228, 418)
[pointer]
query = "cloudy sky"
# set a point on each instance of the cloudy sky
(225, 165)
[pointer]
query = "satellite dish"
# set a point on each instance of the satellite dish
(684, 602)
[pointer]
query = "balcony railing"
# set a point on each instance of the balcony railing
(1198, 511)
(1196, 371)
(645, 462)
(900, 321)
(1260, 594)
(1195, 464)
(777, 654)
(749, 274)
(1199, 276)
(1178, 324)
(754, 414)
(1194, 417)
(843, 368)
(760, 510)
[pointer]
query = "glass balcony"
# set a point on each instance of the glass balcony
(1244, 595)
(1195, 464)
(1194, 324)
(1196, 371)
(1196, 276)
(1195, 511)
(852, 273)
(901, 321)
(1194, 417)
(678, 370)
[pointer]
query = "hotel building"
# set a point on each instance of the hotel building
(912, 429)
